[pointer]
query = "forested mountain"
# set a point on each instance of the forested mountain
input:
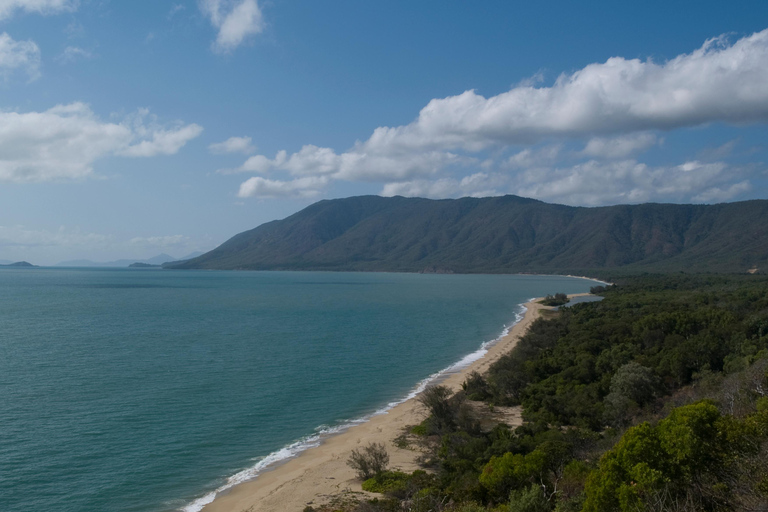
(499, 234)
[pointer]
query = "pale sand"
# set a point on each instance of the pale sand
(321, 472)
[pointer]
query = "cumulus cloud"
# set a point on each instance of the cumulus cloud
(236, 21)
(162, 142)
(262, 187)
(358, 164)
(19, 55)
(65, 141)
(629, 181)
(476, 185)
(233, 145)
(9, 7)
(717, 82)
(616, 106)
(594, 183)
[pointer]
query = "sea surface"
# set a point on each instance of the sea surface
(145, 390)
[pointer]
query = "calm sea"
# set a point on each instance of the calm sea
(144, 390)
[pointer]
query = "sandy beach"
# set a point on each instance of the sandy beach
(322, 472)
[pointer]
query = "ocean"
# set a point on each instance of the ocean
(146, 390)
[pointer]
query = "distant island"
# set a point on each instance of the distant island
(143, 265)
(506, 234)
(154, 261)
(20, 264)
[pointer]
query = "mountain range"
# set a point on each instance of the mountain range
(499, 235)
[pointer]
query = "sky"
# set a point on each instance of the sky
(134, 128)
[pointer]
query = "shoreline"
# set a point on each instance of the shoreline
(319, 470)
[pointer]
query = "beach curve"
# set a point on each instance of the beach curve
(313, 470)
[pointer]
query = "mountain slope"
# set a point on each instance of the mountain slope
(499, 234)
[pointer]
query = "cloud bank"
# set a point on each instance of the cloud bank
(235, 20)
(63, 142)
(616, 106)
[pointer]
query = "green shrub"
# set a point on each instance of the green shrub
(476, 387)
(386, 481)
(530, 499)
(442, 413)
(420, 429)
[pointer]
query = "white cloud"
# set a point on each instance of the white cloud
(74, 53)
(9, 7)
(163, 142)
(532, 157)
(476, 185)
(616, 104)
(19, 55)
(301, 187)
(619, 147)
(233, 145)
(357, 164)
(717, 82)
(236, 20)
(65, 141)
(629, 181)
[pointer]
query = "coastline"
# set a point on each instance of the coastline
(320, 471)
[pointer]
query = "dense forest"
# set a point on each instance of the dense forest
(653, 399)
(506, 234)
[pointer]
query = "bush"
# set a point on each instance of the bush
(436, 399)
(476, 387)
(530, 499)
(369, 461)
(386, 481)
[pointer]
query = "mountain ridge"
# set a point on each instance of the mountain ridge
(505, 234)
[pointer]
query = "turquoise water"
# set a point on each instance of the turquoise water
(145, 390)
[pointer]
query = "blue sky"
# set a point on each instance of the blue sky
(128, 129)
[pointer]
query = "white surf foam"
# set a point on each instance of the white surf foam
(311, 441)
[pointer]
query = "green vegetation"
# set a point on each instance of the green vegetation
(654, 399)
(558, 299)
(387, 481)
(695, 456)
(500, 235)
